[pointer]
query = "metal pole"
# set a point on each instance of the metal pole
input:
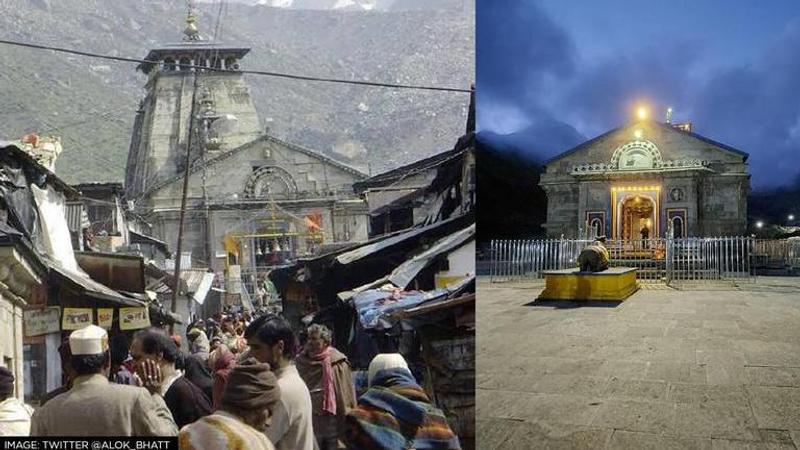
(492, 259)
(177, 284)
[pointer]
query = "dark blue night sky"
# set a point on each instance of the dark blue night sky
(556, 72)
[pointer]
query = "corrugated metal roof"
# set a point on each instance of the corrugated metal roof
(77, 218)
(387, 242)
(407, 271)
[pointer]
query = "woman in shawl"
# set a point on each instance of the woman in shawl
(327, 374)
(198, 343)
(221, 361)
(396, 413)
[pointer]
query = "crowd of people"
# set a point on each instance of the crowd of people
(245, 383)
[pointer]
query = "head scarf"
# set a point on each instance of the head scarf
(221, 361)
(396, 413)
(386, 361)
(200, 343)
(251, 385)
(326, 383)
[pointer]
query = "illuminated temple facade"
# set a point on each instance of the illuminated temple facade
(649, 177)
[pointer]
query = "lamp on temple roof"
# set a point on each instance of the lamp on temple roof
(669, 115)
(641, 113)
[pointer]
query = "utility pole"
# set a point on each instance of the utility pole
(182, 216)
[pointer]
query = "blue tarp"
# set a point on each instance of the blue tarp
(372, 306)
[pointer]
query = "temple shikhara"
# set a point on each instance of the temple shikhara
(253, 199)
(647, 179)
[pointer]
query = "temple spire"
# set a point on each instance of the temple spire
(191, 33)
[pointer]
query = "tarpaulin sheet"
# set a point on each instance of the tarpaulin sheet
(202, 289)
(371, 306)
(18, 199)
(55, 232)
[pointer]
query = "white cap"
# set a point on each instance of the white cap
(89, 340)
(385, 361)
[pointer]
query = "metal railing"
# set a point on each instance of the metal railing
(658, 260)
(704, 259)
(777, 254)
(518, 260)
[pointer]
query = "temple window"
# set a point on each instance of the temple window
(185, 63)
(169, 65)
(677, 227)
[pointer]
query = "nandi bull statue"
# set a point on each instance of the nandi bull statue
(594, 258)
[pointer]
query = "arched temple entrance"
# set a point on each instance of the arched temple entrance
(638, 217)
(636, 209)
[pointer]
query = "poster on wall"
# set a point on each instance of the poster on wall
(133, 318)
(76, 318)
(105, 317)
(42, 321)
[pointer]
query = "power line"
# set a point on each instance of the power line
(253, 72)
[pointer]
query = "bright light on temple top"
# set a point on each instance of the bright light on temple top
(641, 113)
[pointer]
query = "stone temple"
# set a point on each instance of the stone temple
(651, 177)
(253, 199)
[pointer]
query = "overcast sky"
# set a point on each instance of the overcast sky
(731, 67)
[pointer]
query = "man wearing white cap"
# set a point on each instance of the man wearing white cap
(95, 407)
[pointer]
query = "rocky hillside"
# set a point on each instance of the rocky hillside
(91, 102)
(361, 5)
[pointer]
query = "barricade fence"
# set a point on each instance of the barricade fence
(777, 254)
(658, 260)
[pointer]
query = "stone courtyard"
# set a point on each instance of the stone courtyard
(666, 369)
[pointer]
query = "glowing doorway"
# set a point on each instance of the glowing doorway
(636, 212)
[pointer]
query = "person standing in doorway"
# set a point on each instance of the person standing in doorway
(645, 235)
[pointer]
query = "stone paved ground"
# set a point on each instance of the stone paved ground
(666, 369)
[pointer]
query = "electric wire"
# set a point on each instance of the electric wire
(252, 72)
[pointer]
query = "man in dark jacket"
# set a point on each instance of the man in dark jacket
(185, 400)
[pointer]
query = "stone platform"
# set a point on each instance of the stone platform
(614, 284)
(665, 369)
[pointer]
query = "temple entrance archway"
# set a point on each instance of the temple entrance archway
(636, 209)
(638, 217)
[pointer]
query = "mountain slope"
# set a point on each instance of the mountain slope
(91, 102)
